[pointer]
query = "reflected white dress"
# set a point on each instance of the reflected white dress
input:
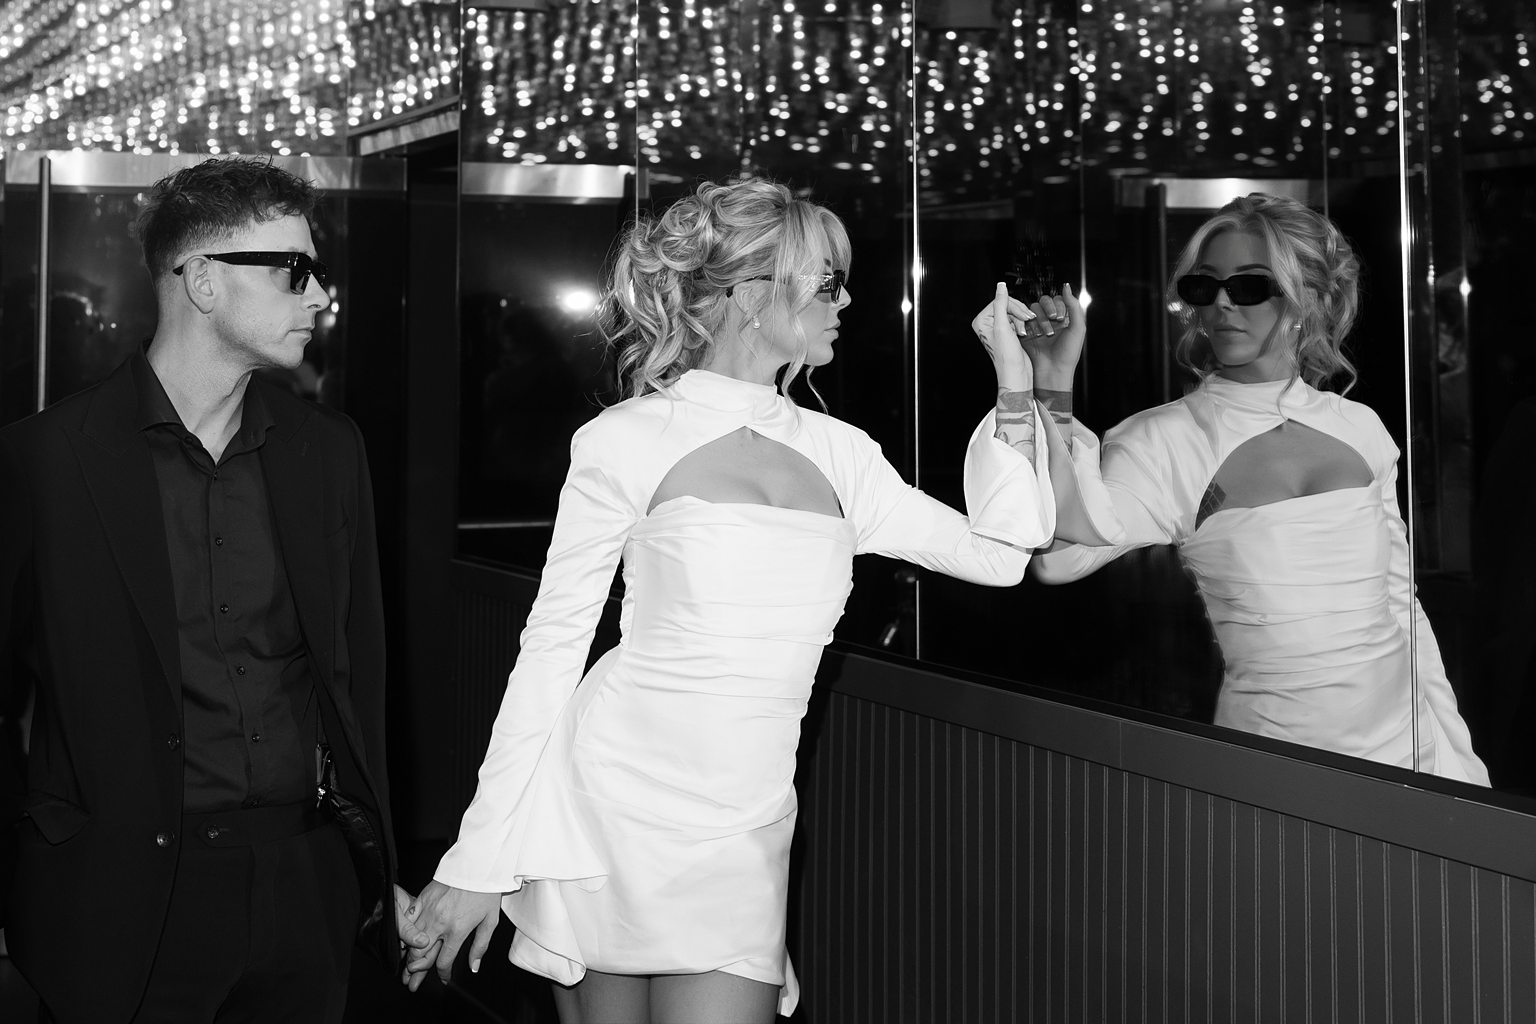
(640, 822)
(1309, 597)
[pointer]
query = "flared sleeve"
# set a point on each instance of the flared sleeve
(594, 518)
(1009, 504)
(1454, 758)
(1108, 501)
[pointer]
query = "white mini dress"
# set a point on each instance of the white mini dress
(639, 819)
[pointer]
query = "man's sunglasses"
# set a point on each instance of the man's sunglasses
(1242, 289)
(300, 265)
(829, 284)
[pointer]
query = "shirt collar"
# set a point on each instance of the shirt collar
(156, 408)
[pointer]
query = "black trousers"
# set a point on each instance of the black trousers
(256, 931)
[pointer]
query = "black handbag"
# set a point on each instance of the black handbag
(367, 855)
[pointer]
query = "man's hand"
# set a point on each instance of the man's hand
(406, 911)
(444, 918)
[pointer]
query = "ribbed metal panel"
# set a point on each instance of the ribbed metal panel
(955, 872)
(949, 875)
(486, 634)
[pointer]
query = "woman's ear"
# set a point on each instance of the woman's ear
(746, 298)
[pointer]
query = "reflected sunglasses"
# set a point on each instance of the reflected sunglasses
(1242, 289)
(300, 265)
(829, 284)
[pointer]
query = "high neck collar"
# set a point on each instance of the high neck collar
(1266, 394)
(759, 405)
(725, 392)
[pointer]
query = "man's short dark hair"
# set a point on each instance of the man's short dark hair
(212, 200)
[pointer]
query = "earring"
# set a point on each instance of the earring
(756, 322)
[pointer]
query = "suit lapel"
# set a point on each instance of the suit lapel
(292, 465)
(295, 471)
(120, 475)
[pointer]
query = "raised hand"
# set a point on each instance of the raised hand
(445, 917)
(1054, 339)
(998, 326)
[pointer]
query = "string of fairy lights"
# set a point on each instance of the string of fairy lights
(1035, 86)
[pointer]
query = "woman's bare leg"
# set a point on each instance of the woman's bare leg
(602, 998)
(712, 998)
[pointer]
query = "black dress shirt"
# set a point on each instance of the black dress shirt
(248, 702)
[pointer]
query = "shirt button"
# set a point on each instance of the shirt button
(164, 839)
(218, 542)
(224, 608)
(212, 832)
(239, 670)
(255, 737)
(173, 741)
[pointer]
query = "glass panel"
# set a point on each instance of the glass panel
(101, 306)
(1474, 384)
(812, 96)
(546, 179)
(677, 91)
(1098, 138)
(405, 60)
(196, 76)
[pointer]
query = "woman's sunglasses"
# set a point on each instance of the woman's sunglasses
(829, 284)
(300, 265)
(1242, 289)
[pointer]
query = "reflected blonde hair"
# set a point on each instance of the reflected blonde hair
(1317, 272)
(665, 299)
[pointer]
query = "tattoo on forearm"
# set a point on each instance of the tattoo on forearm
(1014, 401)
(1059, 405)
(1016, 421)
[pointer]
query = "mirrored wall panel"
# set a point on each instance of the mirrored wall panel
(1244, 562)
(1471, 153)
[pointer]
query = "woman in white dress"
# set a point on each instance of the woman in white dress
(1281, 498)
(635, 823)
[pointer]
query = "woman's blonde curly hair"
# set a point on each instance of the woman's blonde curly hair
(1315, 268)
(666, 300)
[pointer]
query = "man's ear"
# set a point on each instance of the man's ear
(196, 282)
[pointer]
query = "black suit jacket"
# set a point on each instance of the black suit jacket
(87, 617)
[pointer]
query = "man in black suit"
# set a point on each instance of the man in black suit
(189, 579)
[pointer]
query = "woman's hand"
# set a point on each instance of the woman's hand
(999, 326)
(1054, 339)
(446, 917)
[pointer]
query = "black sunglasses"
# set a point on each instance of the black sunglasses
(829, 284)
(1242, 289)
(300, 265)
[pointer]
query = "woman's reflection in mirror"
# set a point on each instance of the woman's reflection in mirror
(1280, 497)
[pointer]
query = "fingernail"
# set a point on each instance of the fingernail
(474, 966)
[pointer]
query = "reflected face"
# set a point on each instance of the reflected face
(259, 321)
(1250, 343)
